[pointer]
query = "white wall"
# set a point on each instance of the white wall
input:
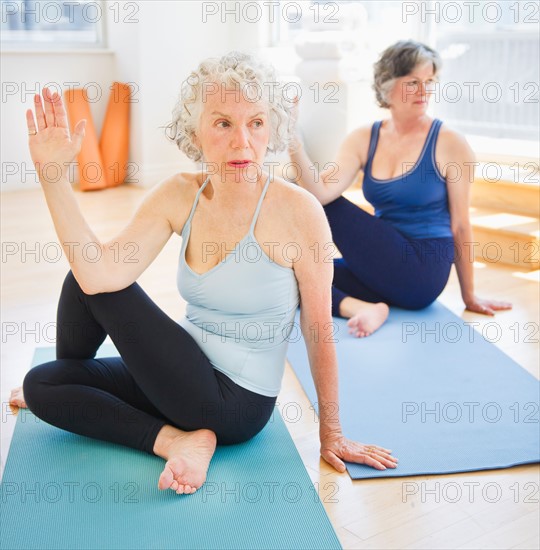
(23, 75)
(156, 52)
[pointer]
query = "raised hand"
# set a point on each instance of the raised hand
(52, 148)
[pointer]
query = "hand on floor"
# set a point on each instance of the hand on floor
(487, 307)
(336, 448)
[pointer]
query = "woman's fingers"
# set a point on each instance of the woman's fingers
(389, 451)
(489, 307)
(362, 458)
(501, 305)
(59, 111)
(334, 461)
(30, 122)
(381, 457)
(49, 111)
(388, 463)
(480, 308)
(40, 114)
(386, 456)
(373, 462)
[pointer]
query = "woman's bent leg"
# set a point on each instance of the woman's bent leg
(165, 363)
(397, 270)
(96, 398)
(164, 360)
(345, 284)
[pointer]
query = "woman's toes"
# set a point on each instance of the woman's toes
(166, 479)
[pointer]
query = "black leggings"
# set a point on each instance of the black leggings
(162, 376)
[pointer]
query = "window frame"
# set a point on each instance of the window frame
(428, 33)
(58, 46)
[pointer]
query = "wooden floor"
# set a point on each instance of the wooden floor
(365, 514)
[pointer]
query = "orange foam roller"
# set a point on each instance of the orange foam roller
(91, 172)
(114, 143)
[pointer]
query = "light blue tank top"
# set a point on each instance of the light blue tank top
(241, 312)
(415, 203)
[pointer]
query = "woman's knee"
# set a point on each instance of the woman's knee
(253, 420)
(34, 386)
(40, 380)
(337, 206)
(237, 436)
(418, 304)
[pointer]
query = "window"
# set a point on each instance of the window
(376, 21)
(491, 69)
(489, 83)
(29, 23)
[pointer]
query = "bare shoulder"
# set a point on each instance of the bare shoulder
(292, 197)
(358, 141)
(362, 133)
(453, 146)
(181, 183)
(174, 197)
(296, 209)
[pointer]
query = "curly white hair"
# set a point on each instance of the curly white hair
(253, 77)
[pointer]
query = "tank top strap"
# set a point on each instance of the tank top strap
(188, 221)
(373, 140)
(431, 140)
(259, 204)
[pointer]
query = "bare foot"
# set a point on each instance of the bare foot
(17, 398)
(188, 457)
(368, 319)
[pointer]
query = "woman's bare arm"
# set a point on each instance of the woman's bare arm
(314, 271)
(98, 267)
(329, 184)
(127, 255)
(459, 161)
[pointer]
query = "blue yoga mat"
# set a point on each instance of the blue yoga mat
(62, 490)
(435, 391)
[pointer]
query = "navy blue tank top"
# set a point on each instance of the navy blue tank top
(416, 203)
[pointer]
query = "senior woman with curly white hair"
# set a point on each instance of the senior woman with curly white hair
(179, 389)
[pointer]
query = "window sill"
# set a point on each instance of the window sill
(504, 151)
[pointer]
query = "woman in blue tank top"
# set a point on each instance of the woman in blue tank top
(246, 263)
(417, 176)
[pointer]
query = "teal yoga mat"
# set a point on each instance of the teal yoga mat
(438, 393)
(62, 490)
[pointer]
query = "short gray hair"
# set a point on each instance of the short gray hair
(233, 69)
(399, 60)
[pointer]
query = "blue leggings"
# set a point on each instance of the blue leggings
(381, 264)
(161, 377)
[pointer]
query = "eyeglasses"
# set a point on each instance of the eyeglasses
(414, 85)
